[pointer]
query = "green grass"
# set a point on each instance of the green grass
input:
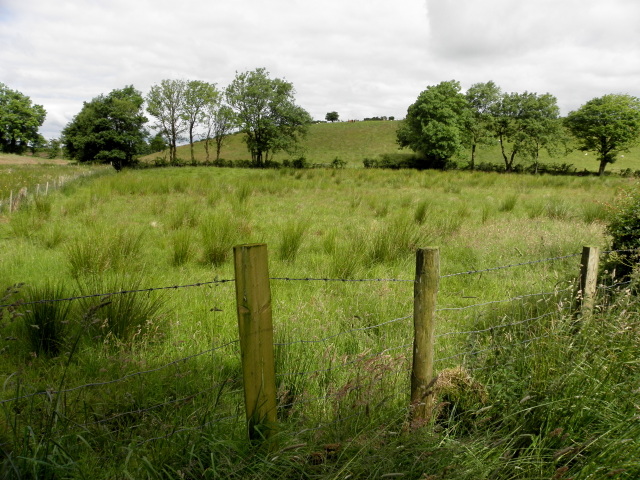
(353, 142)
(343, 378)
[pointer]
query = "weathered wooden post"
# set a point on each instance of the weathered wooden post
(253, 299)
(425, 294)
(588, 281)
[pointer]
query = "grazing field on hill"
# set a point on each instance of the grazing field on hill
(353, 142)
(135, 371)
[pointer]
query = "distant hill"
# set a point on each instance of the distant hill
(351, 142)
(355, 141)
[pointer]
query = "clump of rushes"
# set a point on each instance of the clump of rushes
(45, 318)
(291, 238)
(123, 316)
(181, 245)
(219, 234)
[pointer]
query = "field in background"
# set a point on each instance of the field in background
(176, 227)
(352, 142)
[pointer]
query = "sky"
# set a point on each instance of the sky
(361, 58)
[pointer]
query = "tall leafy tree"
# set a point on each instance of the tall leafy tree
(220, 121)
(523, 123)
(267, 114)
(332, 117)
(482, 98)
(108, 129)
(435, 123)
(607, 126)
(20, 121)
(198, 96)
(166, 103)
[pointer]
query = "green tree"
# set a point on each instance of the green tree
(332, 117)
(54, 147)
(607, 126)
(267, 114)
(220, 120)
(109, 129)
(20, 121)
(482, 98)
(197, 96)
(523, 123)
(166, 103)
(157, 143)
(435, 124)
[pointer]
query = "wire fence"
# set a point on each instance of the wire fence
(332, 379)
(19, 197)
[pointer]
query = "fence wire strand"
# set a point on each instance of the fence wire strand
(121, 292)
(50, 393)
(513, 299)
(331, 337)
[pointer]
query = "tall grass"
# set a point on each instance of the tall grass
(291, 238)
(119, 317)
(219, 233)
(159, 392)
(45, 319)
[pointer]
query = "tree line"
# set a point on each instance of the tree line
(111, 128)
(444, 121)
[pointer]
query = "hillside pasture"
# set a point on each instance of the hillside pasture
(353, 142)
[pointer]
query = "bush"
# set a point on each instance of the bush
(624, 228)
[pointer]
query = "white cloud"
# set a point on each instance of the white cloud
(358, 57)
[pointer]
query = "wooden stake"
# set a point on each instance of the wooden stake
(253, 299)
(424, 309)
(588, 280)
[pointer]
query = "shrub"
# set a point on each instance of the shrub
(624, 228)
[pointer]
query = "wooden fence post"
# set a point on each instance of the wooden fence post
(425, 292)
(588, 280)
(253, 299)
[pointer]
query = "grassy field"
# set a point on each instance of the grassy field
(151, 380)
(352, 142)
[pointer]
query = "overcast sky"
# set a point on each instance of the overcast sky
(361, 58)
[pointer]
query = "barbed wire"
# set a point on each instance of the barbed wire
(190, 429)
(495, 347)
(490, 329)
(50, 393)
(305, 279)
(470, 272)
(139, 411)
(345, 364)
(121, 292)
(331, 337)
(345, 280)
(519, 297)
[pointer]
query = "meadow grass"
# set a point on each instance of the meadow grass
(353, 142)
(343, 349)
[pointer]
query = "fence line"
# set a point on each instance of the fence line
(13, 203)
(360, 358)
(470, 272)
(345, 364)
(50, 393)
(307, 279)
(331, 337)
(495, 347)
(519, 297)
